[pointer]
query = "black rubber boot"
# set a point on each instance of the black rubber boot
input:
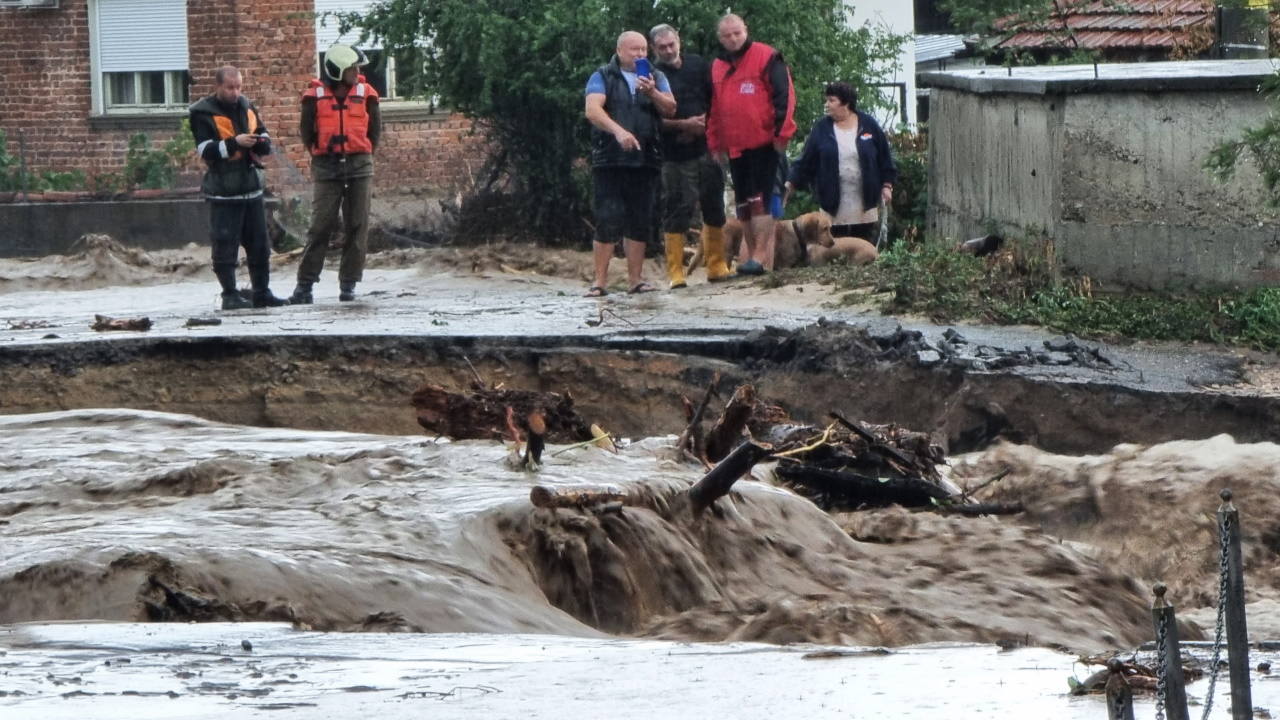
(235, 301)
(301, 295)
(264, 298)
(347, 291)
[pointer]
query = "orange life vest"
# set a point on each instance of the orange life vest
(227, 129)
(342, 124)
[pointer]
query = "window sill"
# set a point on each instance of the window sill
(140, 120)
(412, 111)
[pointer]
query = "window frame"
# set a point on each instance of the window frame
(99, 89)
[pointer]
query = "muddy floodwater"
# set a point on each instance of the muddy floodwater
(245, 520)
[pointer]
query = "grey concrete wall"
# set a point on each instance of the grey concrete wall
(993, 160)
(1113, 176)
(51, 228)
(1136, 205)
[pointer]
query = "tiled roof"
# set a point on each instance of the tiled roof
(1104, 24)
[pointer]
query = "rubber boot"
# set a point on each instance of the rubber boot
(301, 295)
(713, 253)
(346, 291)
(264, 298)
(675, 259)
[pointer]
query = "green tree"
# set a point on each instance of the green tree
(519, 68)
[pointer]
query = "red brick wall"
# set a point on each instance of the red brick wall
(440, 154)
(44, 59)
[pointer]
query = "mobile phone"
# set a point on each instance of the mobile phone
(642, 68)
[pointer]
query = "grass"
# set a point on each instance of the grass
(1024, 285)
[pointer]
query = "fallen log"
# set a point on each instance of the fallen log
(726, 433)
(575, 496)
(689, 439)
(717, 483)
(482, 415)
(875, 442)
(846, 490)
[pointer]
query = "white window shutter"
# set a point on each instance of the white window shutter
(142, 35)
(327, 33)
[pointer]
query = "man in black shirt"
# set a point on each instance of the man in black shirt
(690, 176)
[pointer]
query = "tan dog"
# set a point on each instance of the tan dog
(849, 250)
(806, 241)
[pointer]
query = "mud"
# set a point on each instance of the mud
(1149, 512)
(131, 516)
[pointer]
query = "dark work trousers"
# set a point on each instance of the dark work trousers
(237, 223)
(352, 198)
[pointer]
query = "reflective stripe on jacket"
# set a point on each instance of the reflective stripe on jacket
(342, 123)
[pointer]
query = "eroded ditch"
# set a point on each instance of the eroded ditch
(631, 384)
(134, 516)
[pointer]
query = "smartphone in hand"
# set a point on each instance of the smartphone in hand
(642, 68)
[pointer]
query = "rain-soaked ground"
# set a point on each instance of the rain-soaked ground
(225, 494)
(137, 672)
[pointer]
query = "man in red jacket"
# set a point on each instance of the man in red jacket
(750, 123)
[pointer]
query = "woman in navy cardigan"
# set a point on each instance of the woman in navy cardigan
(847, 161)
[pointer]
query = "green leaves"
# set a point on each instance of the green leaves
(520, 67)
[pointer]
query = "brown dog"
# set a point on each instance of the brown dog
(849, 250)
(805, 241)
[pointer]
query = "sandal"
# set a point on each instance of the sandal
(643, 287)
(595, 291)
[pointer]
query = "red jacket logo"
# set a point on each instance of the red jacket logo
(747, 88)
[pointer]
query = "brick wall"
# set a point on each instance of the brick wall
(44, 58)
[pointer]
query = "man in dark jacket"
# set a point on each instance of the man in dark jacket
(690, 176)
(625, 107)
(231, 137)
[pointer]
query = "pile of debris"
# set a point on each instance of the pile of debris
(953, 350)
(846, 465)
(826, 345)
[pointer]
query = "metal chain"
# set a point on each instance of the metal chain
(1224, 532)
(1162, 635)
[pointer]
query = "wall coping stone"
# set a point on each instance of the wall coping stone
(1193, 75)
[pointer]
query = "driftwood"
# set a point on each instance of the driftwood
(691, 438)
(103, 323)
(835, 488)
(483, 414)
(717, 483)
(727, 431)
(548, 496)
(874, 441)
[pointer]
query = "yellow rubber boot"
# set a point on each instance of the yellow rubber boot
(713, 253)
(675, 259)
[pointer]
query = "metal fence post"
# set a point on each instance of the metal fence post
(1237, 629)
(1171, 693)
(1119, 694)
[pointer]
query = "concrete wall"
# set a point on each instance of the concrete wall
(1136, 205)
(1108, 167)
(52, 228)
(994, 163)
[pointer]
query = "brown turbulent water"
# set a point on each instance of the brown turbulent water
(132, 516)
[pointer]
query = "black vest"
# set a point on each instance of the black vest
(635, 112)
